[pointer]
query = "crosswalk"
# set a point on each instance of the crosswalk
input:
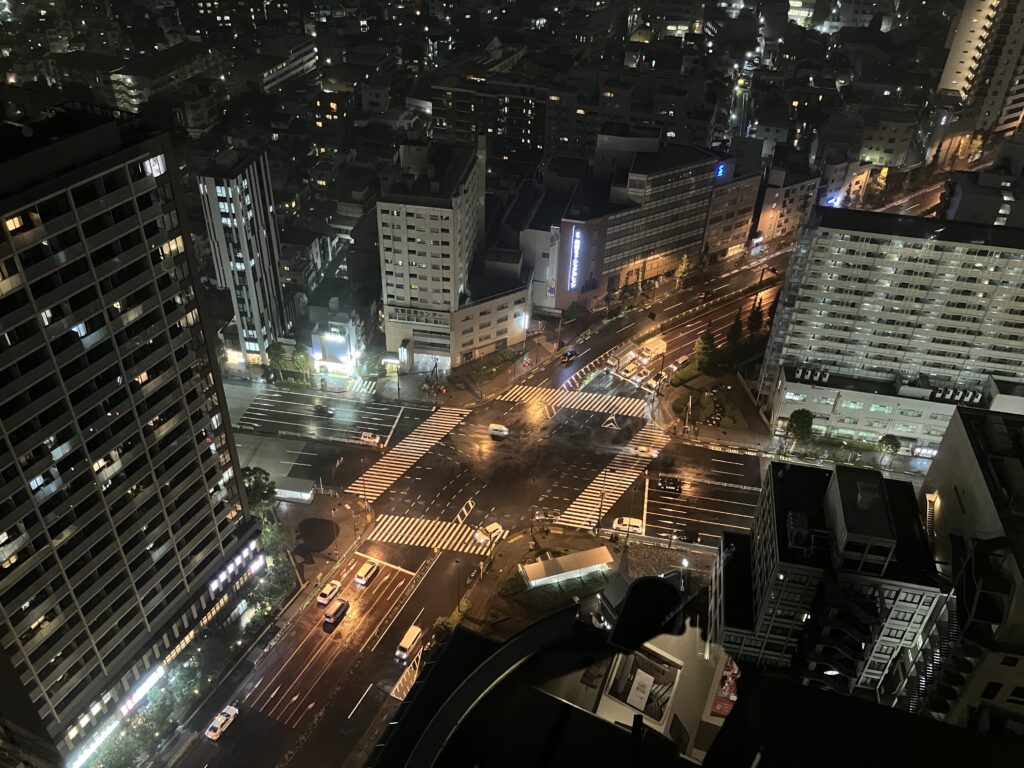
(612, 481)
(366, 387)
(396, 462)
(582, 401)
(423, 532)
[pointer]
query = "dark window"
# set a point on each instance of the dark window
(991, 690)
(1009, 661)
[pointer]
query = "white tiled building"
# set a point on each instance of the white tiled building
(896, 301)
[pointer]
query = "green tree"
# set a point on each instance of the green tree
(682, 269)
(735, 333)
(799, 425)
(278, 356)
(302, 361)
(755, 320)
(704, 350)
(260, 490)
(888, 445)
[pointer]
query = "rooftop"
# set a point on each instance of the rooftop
(230, 163)
(837, 381)
(894, 225)
(865, 507)
(550, 211)
(799, 495)
(160, 62)
(671, 158)
(430, 175)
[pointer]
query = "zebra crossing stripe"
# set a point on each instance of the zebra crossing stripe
(423, 532)
(612, 481)
(396, 462)
(581, 401)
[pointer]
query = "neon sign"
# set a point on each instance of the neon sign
(720, 170)
(574, 259)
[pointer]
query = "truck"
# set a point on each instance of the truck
(621, 355)
(652, 349)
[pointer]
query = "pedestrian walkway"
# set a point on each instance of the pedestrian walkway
(612, 481)
(424, 532)
(581, 401)
(396, 462)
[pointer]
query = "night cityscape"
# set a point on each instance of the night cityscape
(479, 384)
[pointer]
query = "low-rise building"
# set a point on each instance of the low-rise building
(157, 73)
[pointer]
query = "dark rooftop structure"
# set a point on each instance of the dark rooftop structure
(430, 174)
(894, 225)
(737, 576)
(865, 507)
(158, 63)
(670, 158)
(799, 494)
(839, 381)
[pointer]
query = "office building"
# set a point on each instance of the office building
(731, 210)
(241, 223)
(635, 225)
(972, 502)
(121, 506)
(910, 301)
(844, 589)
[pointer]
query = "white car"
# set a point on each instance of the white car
(328, 592)
(221, 723)
(644, 450)
(490, 532)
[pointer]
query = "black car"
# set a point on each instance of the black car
(706, 294)
(568, 357)
(323, 410)
(669, 483)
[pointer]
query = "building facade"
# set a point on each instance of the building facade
(431, 222)
(731, 210)
(121, 496)
(789, 198)
(882, 297)
(844, 589)
(241, 223)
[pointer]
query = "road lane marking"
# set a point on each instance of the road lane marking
(359, 702)
(385, 562)
(393, 426)
(397, 613)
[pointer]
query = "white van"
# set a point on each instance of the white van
(628, 524)
(408, 643)
(336, 611)
(365, 574)
(497, 430)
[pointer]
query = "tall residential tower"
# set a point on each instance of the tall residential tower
(120, 502)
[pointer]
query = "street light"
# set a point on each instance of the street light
(686, 579)
(458, 585)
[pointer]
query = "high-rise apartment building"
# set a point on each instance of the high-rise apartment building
(238, 205)
(885, 297)
(984, 69)
(120, 509)
(835, 581)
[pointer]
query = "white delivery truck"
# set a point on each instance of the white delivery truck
(652, 349)
(622, 355)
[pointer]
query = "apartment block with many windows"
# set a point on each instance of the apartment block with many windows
(120, 498)
(903, 302)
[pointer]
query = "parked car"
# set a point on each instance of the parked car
(328, 592)
(568, 356)
(670, 483)
(221, 723)
(323, 410)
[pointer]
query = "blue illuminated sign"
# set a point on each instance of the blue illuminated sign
(574, 259)
(720, 170)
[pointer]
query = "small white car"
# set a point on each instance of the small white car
(490, 532)
(221, 723)
(644, 450)
(369, 438)
(328, 592)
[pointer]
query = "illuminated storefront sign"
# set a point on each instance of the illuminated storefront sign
(574, 260)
